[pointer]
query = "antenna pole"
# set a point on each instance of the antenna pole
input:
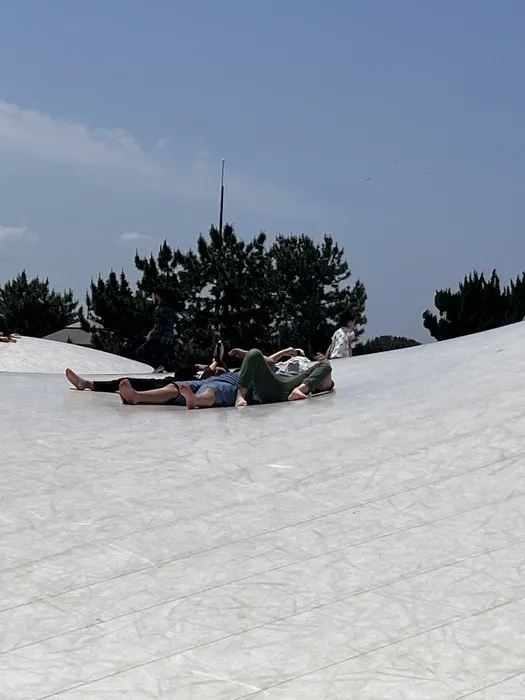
(221, 207)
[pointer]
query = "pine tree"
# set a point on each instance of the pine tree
(478, 305)
(311, 291)
(384, 343)
(241, 291)
(33, 308)
(118, 317)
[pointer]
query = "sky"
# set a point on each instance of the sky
(395, 126)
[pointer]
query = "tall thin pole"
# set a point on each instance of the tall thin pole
(221, 208)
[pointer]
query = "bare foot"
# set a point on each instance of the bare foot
(189, 396)
(158, 370)
(127, 393)
(79, 383)
(297, 395)
(240, 402)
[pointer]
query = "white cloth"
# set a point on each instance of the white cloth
(293, 366)
(341, 342)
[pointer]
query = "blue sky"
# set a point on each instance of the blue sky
(396, 126)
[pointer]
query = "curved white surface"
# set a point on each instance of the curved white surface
(37, 356)
(367, 544)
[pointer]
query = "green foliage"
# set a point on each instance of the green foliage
(117, 316)
(250, 295)
(478, 305)
(235, 286)
(384, 343)
(310, 291)
(33, 308)
(515, 300)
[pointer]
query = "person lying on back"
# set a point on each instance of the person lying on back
(286, 363)
(268, 387)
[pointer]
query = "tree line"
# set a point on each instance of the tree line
(256, 293)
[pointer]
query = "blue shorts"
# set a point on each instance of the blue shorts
(225, 387)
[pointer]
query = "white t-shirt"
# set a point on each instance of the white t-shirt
(293, 366)
(341, 341)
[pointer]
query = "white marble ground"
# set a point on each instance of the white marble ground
(35, 356)
(368, 544)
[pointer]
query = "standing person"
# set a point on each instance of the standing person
(342, 340)
(159, 340)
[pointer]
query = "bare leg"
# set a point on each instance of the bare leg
(79, 383)
(240, 401)
(204, 400)
(154, 396)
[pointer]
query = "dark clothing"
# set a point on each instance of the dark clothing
(138, 383)
(272, 388)
(153, 352)
(164, 319)
(4, 326)
(224, 387)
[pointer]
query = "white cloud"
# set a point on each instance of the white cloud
(35, 134)
(134, 236)
(12, 233)
(163, 143)
(117, 153)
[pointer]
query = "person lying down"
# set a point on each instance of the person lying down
(255, 383)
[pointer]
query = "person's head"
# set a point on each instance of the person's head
(160, 294)
(156, 295)
(347, 319)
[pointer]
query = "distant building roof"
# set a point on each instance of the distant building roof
(73, 333)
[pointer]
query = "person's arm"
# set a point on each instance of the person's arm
(277, 356)
(351, 342)
(239, 353)
(320, 357)
(158, 322)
